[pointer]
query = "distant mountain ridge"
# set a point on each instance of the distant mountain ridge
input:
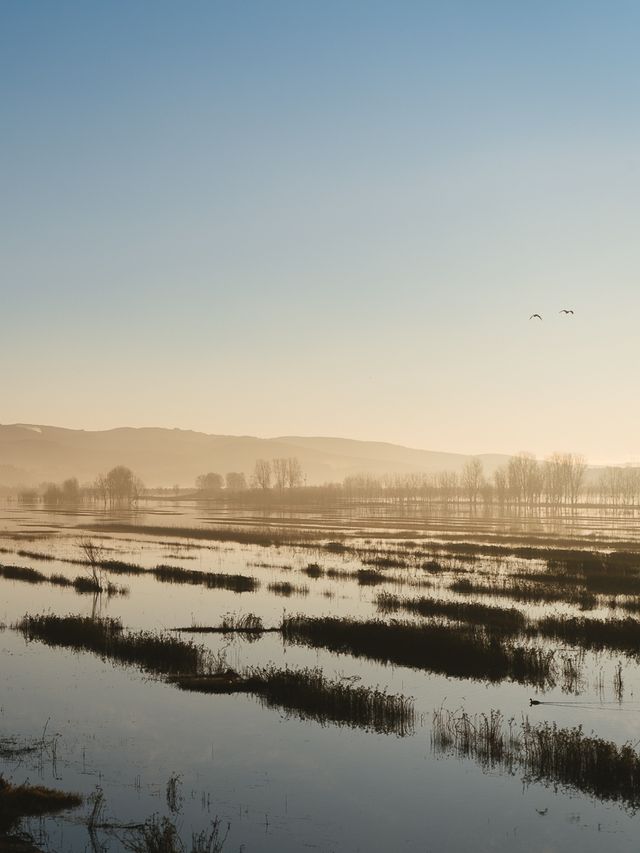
(34, 453)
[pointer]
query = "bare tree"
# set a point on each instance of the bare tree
(262, 474)
(294, 472)
(472, 478)
(94, 556)
(280, 472)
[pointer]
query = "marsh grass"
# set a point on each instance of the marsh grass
(542, 752)
(81, 584)
(156, 653)
(160, 835)
(370, 577)
(505, 620)
(307, 694)
(210, 580)
(266, 536)
(18, 801)
(287, 589)
(248, 626)
(525, 591)
(313, 570)
(620, 635)
(453, 650)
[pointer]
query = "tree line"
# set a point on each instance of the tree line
(119, 487)
(280, 473)
(559, 480)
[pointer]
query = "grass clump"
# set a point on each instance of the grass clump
(210, 580)
(287, 589)
(314, 571)
(18, 801)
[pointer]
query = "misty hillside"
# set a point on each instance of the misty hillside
(31, 454)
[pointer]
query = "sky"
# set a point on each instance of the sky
(324, 218)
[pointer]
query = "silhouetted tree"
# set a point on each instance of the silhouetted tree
(123, 487)
(262, 474)
(236, 482)
(280, 468)
(294, 472)
(209, 482)
(71, 491)
(472, 478)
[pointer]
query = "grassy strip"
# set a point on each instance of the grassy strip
(266, 537)
(542, 753)
(309, 695)
(526, 592)
(83, 585)
(249, 624)
(157, 653)
(472, 613)
(462, 652)
(286, 589)
(620, 635)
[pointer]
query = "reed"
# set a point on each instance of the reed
(542, 752)
(307, 694)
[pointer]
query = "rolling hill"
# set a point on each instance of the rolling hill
(32, 453)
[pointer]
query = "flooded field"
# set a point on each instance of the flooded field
(363, 679)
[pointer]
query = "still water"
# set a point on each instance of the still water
(281, 783)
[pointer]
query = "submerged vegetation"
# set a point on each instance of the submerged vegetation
(160, 835)
(542, 752)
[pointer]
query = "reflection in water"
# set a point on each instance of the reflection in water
(282, 780)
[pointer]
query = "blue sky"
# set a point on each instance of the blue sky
(324, 218)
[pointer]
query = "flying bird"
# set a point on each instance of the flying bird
(566, 311)
(536, 315)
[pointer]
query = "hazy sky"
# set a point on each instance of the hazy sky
(329, 218)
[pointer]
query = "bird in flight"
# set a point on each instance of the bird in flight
(566, 311)
(536, 315)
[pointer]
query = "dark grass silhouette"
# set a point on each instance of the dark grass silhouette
(307, 694)
(454, 650)
(525, 591)
(18, 801)
(156, 653)
(80, 584)
(508, 620)
(287, 589)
